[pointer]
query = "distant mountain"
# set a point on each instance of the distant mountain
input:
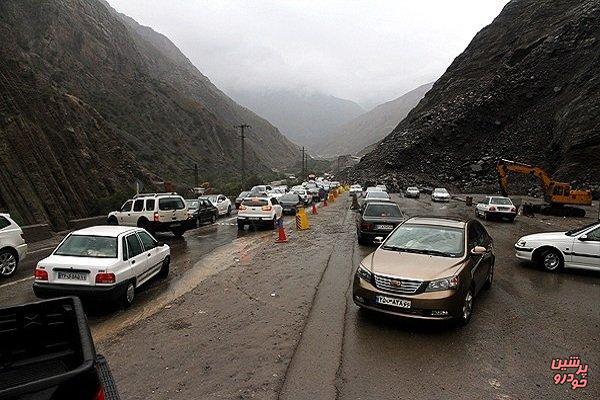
(91, 102)
(372, 126)
(302, 116)
(527, 88)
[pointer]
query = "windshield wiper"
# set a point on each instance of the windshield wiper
(418, 251)
(438, 253)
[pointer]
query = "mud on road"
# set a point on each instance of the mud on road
(255, 319)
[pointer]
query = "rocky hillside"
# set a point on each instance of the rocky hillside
(372, 126)
(88, 107)
(304, 117)
(526, 88)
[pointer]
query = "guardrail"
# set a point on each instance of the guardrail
(39, 232)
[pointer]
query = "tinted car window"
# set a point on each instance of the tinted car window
(150, 204)
(501, 201)
(134, 245)
(475, 236)
(192, 204)
(290, 197)
(171, 203)
(255, 202)
(125, 252)
(127, 206)
(382, 210)
(147, 241)
(274, 201)
(138, 205)
(4, 223)
(88, 246)
(594, 235)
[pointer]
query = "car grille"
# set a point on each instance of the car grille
(401, 286)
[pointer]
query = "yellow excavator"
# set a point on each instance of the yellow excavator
(557, 194)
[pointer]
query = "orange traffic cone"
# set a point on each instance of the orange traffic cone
(314, 209)
(282, 236)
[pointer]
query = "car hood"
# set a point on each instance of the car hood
(77, 262)
(546, 236)
(411, 265)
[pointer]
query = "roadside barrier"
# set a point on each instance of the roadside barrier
(302, 219)
(282, 238)
(335, 193)
(313, 210)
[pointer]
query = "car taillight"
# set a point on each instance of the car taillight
(366, 226)
(156, 217)
(100, 394)
(266, 208)
(492, 208)
(105, 277)
(40, 274)
(243, 207)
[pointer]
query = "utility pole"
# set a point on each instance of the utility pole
(242, 128)
(195, 175)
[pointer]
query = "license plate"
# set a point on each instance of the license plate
(390, 301)
(74, 276)
(384, 227)
(253, 218)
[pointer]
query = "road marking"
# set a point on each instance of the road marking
(18, 281)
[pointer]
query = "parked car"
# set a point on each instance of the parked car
(376, 195)
(48, 354)
(427, 268)
(440, 194)
(241, 196)
(303, 193)
(496, 206)
(13, 248)
(263, 211)
(412, 191)
(576, 248)
(377, 219)
(202, 210)
(155, 212)
(290, 203)
(356, 189)
(102, 263)
(220, 201)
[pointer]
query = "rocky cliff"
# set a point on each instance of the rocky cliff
(88, 107)
(526, 88)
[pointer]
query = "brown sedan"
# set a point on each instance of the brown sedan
(427, 268)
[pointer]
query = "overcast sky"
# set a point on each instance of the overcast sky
(366, 51)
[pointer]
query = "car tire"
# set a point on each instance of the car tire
(467, 308)
(551, 260)
(9, 261)
(164, 270)
(129, 294)
(490, 278)
(112, 221)
(178, 233)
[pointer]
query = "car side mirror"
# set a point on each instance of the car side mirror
(478, 250)
(583, 238)
(378, 240)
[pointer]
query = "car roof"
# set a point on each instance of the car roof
(105, 230)
(438, 221)
(383, 203)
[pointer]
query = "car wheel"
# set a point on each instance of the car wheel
(228, 211)
(466, 311)
(129, 294)
(213, 219)
(551, 260)
(178, 232)
(490, 277)
(164, 270)
(112, 221)
(486, 215)
(8, 263)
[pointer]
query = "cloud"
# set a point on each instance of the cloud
(366, 51)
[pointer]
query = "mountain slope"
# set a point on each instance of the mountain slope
(526, 88)
(303, 117)
(371, 126)
(84, 113)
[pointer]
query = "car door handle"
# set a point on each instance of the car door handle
(149, 254)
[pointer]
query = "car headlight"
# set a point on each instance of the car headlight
(521, 243)
(363, 273)
(443, 284)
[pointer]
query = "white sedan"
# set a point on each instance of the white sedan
(12, 246)
(102, 263)
(220, 201)
(496, 206)
(577, 248)
(356, 189)
(440, 194)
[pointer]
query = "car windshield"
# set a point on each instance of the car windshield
(440, 191)
(289, 197)
(253, 202)
(382, 210)
(192, 204)
(502, 201)
(412, 189)
(171, 203)
(243, 194)
(377, 195)
(578, 231)
(427, 239)
(88, 246)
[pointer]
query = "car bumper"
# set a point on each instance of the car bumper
(422, 305)
(289, 210)
(255, 220)
(22, 251)
(187, 224)
(524, 253)
(440, 199)
(91, 293)
(370, 235)
(501, 214)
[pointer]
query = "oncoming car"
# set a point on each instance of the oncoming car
(102, 263)
(427, 268)
(577, 248)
